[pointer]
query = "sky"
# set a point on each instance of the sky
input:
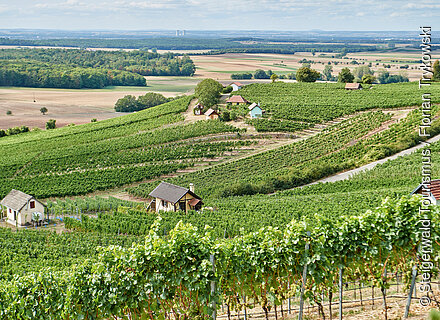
(288, 15)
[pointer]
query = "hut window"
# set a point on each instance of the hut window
(32, 204)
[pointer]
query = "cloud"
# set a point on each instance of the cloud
(215, 14)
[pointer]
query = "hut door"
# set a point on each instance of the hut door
(182, 206)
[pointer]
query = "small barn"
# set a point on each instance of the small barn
(237, 100)
(169, 197)
(432, 189)
(353, 86)
(22, 208)
(198, 109)
(236, 86)
(211, 114)
(255, 111)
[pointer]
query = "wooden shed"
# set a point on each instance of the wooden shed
(169, 197)
(236, 86)
(22, 208)
(353, 86)
(255, 111)
(211, 114)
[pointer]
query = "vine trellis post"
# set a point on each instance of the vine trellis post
(341, 270)
(214, 307)
(304, 280)
(411, 289)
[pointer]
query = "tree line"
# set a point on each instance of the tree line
(137, 61)
(130, 103)
(214, 45)
(44, 75)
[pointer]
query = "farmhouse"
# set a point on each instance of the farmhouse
(237, 100)
(236, 86)
(198, 109)
(22, 209)
(211, 114)
(169, 197)
(353, 86)
(255, 110)
(434, 194)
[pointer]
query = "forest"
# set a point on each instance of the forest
(74, 69)
(218, 45)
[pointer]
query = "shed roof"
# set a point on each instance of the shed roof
(237, 99)
(210, 111)
(353, 86)
(434, 186)
(170, 192)
(237, 84)
(16, 199)
(253, 105)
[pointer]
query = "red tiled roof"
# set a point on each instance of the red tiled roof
(237, 99)
(434, 186)
(237, 83)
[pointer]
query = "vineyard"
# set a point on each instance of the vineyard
(29, 251)
(337, 148)
(104, 155)
(184, 273)
(259, 240)
(234, 216)
(318, 102)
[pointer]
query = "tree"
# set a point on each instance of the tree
(273, 77)
(328, 72)
(43, 110)
(227, 89)
(305, 74)
(368, 78)
(359, 72)
(385, 77)
(150, 99)
(126, 104)
(208, 92)
(93, 120)
(261, 74)
(51, 124)
(345, 76)
(9, 113)
(436, 71)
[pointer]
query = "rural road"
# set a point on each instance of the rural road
(347, 174)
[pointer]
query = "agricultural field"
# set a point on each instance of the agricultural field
(222, 66)
(69, 106)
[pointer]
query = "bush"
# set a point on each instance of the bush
(241, 76)
(51, 124)
(9, 112)
(227, 89)
(261, 74)
(225, 116)
(129, 103)
(94, 120)
(305, 74)
(385, 77)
